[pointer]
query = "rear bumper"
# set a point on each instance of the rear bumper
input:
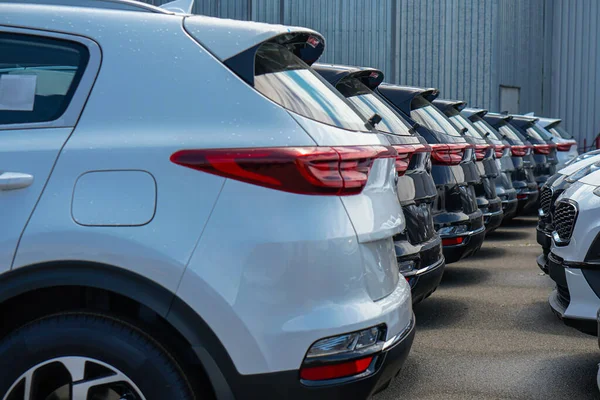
(509, 207)
(425, 281)
(472, 243)
(287, 384)
(493, 220)
(527, 199)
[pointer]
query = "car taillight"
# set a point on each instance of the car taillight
(448, 154)
(499, 149)
(343, 369)
(337, 171)
(519, 150)
(565, 146)
(481, 150)
(405, 153)
(542, 148)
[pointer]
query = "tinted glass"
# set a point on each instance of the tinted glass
(432, 118)
(539, 133)
(509, 131)
(38, 77)
(560, 132)
(368, 103)
(462, 122)
(534, 133)
(288, 81)
(484, 128)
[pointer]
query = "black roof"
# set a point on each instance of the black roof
(471, 111)
(444, 104)
(402, 96)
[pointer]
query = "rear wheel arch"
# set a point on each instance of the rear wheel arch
(71, 282)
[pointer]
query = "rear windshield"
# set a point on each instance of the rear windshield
(560, 132)
(535, 132)
(368, 103)
(509, 131)
(462, 122)
(485, 128)
(289, 82)
(429, 116)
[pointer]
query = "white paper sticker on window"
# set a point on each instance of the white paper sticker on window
(17, 92)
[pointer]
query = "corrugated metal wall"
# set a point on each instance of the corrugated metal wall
(574, 89)
(520, 46)
(448, 45)
(466, 48)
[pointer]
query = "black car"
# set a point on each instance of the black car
(503, 182)
(523, 178)
(544, 151)
(419, 249)
(456, 216)
(487, 199)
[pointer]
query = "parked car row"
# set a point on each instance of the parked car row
(195, 206)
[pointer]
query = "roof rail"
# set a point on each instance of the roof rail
(123, 5)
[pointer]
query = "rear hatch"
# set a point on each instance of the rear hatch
(452, 156)
(416, 188)
(349, 156)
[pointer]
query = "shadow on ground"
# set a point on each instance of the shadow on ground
(504, 235)
(456, 275)
(436, 312)
(521, 223)
(488, 253)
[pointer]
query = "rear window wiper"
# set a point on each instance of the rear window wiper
(374, 120)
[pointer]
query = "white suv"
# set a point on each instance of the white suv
(188, 208)
(574, 260)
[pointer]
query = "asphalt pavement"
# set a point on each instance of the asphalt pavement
(489, 333)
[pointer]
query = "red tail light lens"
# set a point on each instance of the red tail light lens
(453, 241)
(333, 171)
(565, 146)
(448, 154)
(499, 149)
(542, 148)
(481, 150)
(405, 153)
(519, 150)
(334, 371)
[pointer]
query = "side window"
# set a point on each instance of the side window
(38, 77)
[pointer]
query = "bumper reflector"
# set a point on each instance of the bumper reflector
(522, 196)
(335, 371)
(452, 241)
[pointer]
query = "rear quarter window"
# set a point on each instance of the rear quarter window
(38, 77)
(289, 82)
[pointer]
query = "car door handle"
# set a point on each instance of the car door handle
(14, 180)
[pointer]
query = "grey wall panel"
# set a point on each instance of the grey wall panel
(448, 45)
(521, 50)
(575, 67)
(235, 9)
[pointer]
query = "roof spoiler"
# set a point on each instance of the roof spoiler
(471, 112)
(402, 96)
(333, 74)
(444, 104)
(549, 123)
(179, 6)
(238, 50)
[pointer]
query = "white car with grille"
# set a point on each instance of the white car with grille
(574, 259)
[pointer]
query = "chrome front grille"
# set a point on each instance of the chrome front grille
(564, 217)
(546, 200)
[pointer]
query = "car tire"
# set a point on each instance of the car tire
(65, 345)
